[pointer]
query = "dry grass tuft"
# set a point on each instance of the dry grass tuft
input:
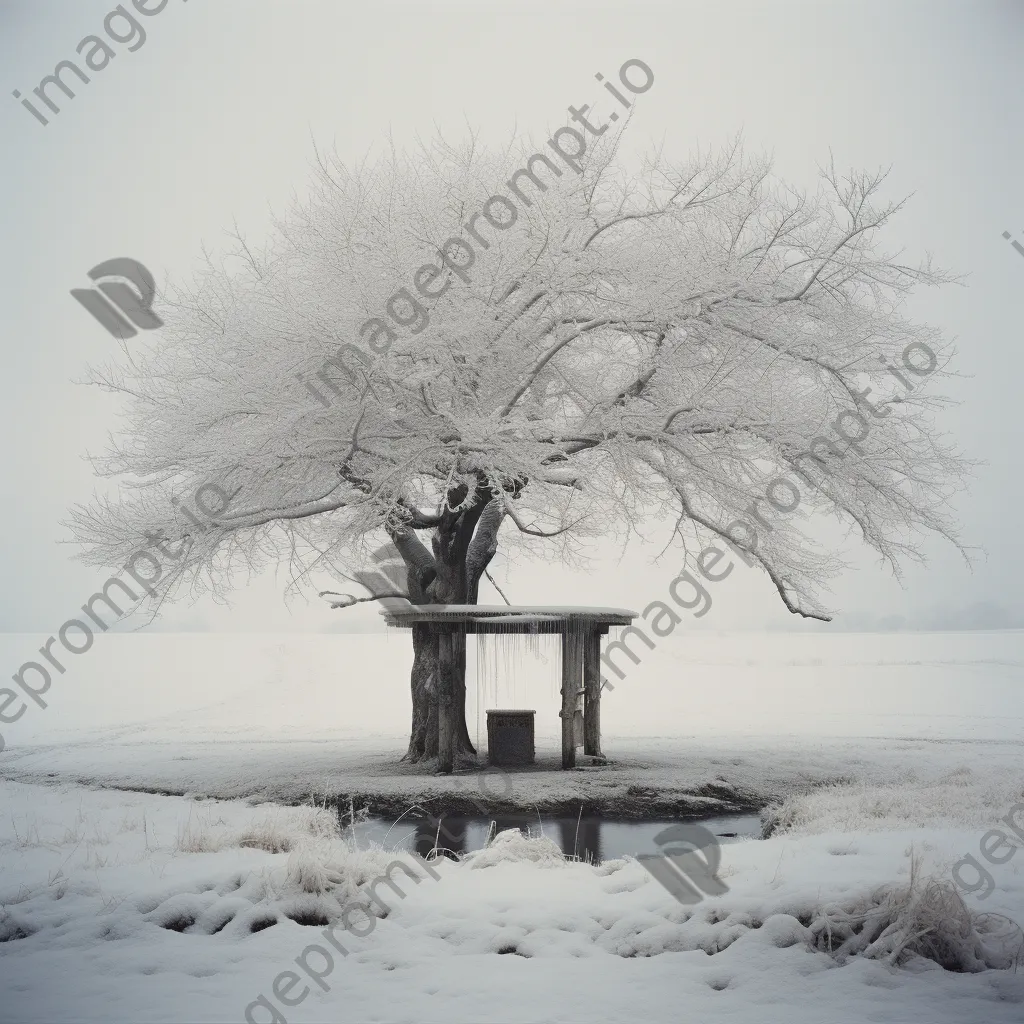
(926, 918)
(270, 835)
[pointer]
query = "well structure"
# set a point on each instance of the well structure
(581, 630)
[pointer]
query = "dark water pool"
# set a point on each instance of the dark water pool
(591, 838)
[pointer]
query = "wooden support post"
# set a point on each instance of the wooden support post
(572, 678)
(592, 694)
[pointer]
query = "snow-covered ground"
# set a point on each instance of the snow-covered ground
(284, 716)
(138, 906)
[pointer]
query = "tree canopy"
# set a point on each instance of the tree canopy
(626, 342)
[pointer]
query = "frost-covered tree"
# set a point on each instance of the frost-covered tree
(605, 345)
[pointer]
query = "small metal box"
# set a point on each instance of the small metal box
(510, 737)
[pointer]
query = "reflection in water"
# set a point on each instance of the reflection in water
(590, 838)
(581, 838)
(448, 835)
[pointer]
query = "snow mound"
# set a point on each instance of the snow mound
(232, 870)
(513, 846)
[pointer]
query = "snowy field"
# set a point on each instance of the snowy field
(297, 686)
(894, 755)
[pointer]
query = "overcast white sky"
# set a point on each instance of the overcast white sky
(211, 121)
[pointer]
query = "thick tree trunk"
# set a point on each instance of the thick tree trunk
(572, 679)
(450, 543)
(424, 697)
(447, 709)
(420, 573)
(463, 545)
(592, 694)
(424, 736)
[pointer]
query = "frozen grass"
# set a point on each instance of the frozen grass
(960, 798)
(62, 831)
(277, 830)
(925, 919)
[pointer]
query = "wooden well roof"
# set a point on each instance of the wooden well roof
(498, 618)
